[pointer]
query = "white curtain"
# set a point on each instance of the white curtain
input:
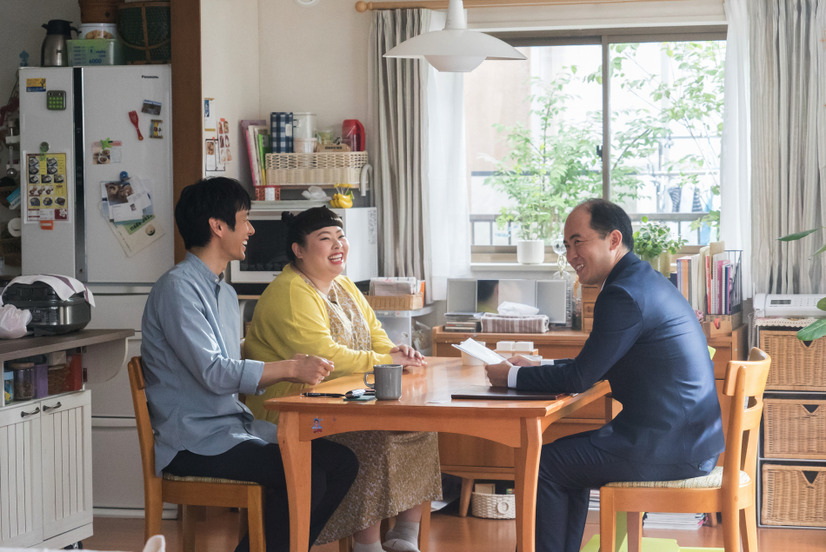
(447, 223)
(735, 158)
(419, 158)
(788, 93)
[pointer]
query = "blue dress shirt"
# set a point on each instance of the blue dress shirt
(191, 351)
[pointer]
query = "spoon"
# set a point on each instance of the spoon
(133, 116)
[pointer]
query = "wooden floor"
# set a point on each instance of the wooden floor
(449, 533)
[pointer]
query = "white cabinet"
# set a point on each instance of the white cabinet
(401, 327)
(46, 471)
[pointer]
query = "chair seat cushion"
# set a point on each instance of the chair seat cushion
(711, 481)
(196, 479)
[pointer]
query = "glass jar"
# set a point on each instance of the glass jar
(24, 380)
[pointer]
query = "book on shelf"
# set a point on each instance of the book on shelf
(256, 135)
(463, 321)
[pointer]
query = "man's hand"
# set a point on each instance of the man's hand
(521, 360)
(310, 369)
(407, 356)
(498, 373)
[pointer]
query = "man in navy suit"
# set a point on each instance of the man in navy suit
(646, 341)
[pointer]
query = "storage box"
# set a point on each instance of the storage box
(796, 366)
(794, 428)
(95, 51)
(794, 495)
(396, 302)
(721, 324)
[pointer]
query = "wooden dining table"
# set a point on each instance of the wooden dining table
(425, 405)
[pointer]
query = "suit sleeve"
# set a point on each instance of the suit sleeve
(617, 326)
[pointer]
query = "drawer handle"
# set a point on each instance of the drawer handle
(32, 413)
(46, 408)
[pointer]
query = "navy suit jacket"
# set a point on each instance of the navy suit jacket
(646, 341)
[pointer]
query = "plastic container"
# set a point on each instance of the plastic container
(41, 380)
(98, 30)
(95, 51)
(24, 380)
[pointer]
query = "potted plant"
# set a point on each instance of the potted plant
(546, 171)
(653, 243)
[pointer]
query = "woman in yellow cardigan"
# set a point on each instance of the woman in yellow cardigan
(312, 308)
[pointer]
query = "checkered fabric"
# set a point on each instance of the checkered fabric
(281, 132)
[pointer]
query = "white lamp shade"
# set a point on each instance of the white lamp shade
(455, 50)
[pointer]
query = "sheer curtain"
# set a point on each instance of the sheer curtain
(735, 158)
(787, 70)
(418, 156)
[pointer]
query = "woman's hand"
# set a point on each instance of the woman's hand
(311, 369)
(407, 356)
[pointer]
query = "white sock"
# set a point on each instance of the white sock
(371, 547)
(407, 530)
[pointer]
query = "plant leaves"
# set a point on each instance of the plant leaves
(815, 330)
(798, 235)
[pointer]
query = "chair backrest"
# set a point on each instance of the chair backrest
(745, 382)
(145, 436)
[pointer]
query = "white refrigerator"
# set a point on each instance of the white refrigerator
(98, 205)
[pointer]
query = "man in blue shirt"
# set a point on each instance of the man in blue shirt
(646, 341)
(191, 352)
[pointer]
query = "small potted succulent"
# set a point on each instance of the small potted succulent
(653, 243)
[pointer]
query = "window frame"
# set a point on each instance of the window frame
(603, 37)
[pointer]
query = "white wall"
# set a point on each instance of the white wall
(314, 59)
(230, 72)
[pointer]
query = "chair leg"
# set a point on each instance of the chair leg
(748, 528)
(153, 511)
(424, 527)
(190, 515)
(345, 544)
(731, 529)
(464, 499)
(607, 521)
(634, 526)
(255, 520)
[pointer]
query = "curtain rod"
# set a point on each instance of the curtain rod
(362, 6)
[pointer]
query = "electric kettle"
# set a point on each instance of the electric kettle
(54, 51)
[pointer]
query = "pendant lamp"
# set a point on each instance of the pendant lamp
(455, 49)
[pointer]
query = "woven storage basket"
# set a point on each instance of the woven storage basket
(493, 506)
(145, 30)
(794, 428)
(315, 168)
(396, 302)
(99, 11)
(796, 366)
(789, 498)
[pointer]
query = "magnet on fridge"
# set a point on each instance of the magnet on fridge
(156, 129)
(47, 225)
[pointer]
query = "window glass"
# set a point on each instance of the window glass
(536, 136)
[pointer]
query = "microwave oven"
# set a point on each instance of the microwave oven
(266, 250)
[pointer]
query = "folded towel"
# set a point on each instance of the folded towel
(500, 323)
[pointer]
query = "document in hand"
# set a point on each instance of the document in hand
(479, 351)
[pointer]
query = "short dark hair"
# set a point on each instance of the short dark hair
(219, 198)
(305, 223)
(607, 217)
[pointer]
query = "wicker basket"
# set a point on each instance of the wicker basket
(328, 168)
(493, 506)
(790, 498)
(796, 366)
(99, 11)
(794, 429)
(145, 29)
(396, 302)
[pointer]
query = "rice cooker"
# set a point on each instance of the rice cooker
(50, 314)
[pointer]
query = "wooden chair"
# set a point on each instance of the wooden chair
(729, 489)
(189, 492)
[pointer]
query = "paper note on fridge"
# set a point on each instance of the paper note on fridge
(479, 351)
